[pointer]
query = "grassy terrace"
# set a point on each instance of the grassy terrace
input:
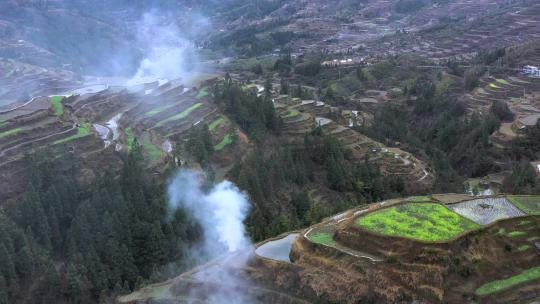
(216, 123)
(153, 152)
(11, 132)
(227, 140)
(58, 107)
(130, 136)
(292, 113)
(421, 221)
(82, 131)
(158, 110)
(323, 238)
(180, 115)
(203, 92)
(527, 204)
(500, 285)
(482, 91)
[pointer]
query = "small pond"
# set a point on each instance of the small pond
(278, 249)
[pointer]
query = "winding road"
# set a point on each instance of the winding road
(22, 106)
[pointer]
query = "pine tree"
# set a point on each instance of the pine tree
(23, 262)
(56, 235)
(3, 290)
(7, 267)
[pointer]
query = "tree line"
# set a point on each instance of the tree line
(67, 243)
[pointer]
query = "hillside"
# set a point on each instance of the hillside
(270, 151)
(484, 252)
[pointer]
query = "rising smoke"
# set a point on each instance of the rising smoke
(221, 212)
(168, 50)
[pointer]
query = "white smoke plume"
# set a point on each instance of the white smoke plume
(169, 52)
(221, 212)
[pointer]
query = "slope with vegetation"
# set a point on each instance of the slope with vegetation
(473, 263)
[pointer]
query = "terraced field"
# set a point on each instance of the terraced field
(486, 211)
(180, 115)
(58, 107)
(421, 221)
(504, 284)
(82, 131)
(302, 116)
(527, 204)
(227, 140)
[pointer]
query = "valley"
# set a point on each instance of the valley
(273, 151)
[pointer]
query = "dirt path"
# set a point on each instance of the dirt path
(426, 174)
(21, 106)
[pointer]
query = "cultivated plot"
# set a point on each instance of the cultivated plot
(504, 284)
(527, 204)
(488, 210)
(421, 221)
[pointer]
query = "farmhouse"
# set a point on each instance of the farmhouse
(536, 166)
(531, 70)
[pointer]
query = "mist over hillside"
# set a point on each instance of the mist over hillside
(269, 151)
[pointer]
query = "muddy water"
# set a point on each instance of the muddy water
(113, 125)
(279, 249)
(322, 121)
(167, 146)
(103, 133)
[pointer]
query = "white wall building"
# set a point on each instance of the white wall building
(531, 70)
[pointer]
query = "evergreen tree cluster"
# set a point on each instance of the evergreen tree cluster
(436, 125)
(278, 179)
(199, 143)
(254, 114)
(72, 244)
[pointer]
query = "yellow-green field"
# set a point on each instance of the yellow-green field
(421, 221)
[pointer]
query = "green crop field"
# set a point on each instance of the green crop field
(527, 204)
(158, 110)
(56, 101)
(82, 131)
(10, 132)
(180, 115)
(323, 238)
(153, 152)
(422, 221)
(500, 285)
(292, 113)
(513, 234)
(203, 92)
(216, 123)
(227, 140)
(523, 248)
(130, 136)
